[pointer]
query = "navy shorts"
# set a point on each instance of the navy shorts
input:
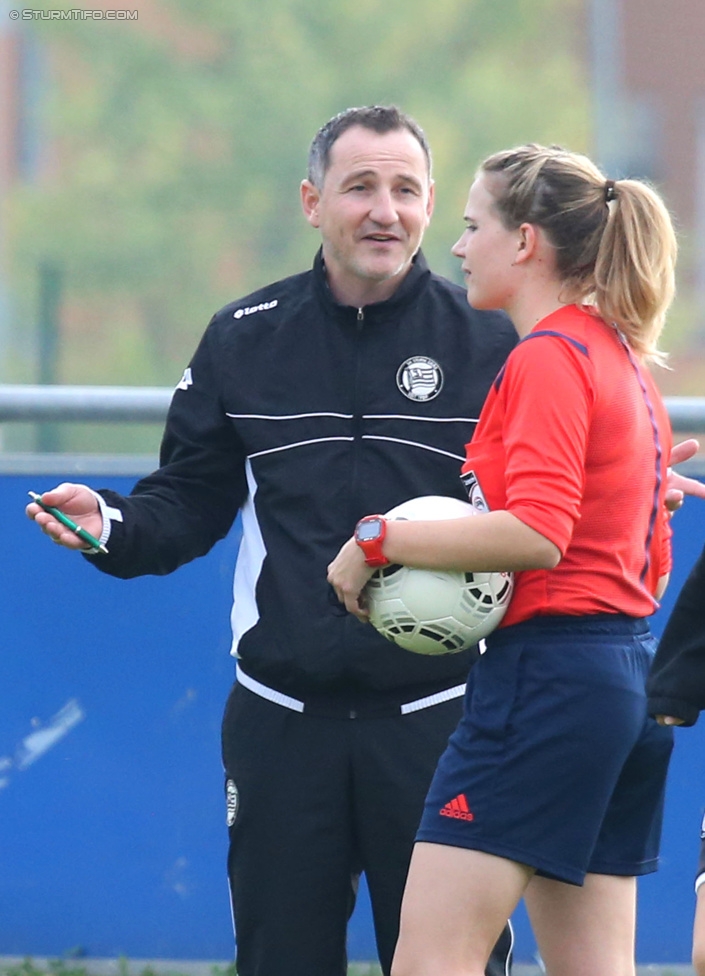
(555, 763)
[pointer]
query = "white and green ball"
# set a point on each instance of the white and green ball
(430, 611)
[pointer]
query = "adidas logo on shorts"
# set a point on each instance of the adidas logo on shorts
(458, 809)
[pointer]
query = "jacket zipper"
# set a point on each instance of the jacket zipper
(357, 416)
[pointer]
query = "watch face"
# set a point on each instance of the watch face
(366, 531)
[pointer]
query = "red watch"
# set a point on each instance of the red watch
(369, 535)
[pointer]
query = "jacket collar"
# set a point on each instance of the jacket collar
(406, 291)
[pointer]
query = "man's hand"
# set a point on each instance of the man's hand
(668, 720)
(678, 486)
(76, 501)
(348, 575)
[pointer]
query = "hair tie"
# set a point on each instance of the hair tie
(610, 192)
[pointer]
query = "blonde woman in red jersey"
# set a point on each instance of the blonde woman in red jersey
(556, 766)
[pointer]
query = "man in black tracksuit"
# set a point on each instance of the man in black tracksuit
(676, 685)
(321, 398)
(676, 690)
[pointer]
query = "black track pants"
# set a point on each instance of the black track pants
(314, 802)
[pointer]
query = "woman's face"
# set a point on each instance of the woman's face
(488, 251)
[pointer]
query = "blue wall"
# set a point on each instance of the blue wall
(112, 824)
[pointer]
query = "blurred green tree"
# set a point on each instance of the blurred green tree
(178, 143)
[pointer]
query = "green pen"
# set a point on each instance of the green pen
(65, 520)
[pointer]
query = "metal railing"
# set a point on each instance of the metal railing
(90, 404)
(149, 404)
(687, 414)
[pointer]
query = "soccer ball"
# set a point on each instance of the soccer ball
(431, 611)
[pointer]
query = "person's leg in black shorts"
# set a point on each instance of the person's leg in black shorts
(699, 920)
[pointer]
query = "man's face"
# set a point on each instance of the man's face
(372, 211)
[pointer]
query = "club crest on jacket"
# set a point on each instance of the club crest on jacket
(420, 378)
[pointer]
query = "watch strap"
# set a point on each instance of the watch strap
(372, 548)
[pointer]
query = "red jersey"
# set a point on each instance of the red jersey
(574, 440)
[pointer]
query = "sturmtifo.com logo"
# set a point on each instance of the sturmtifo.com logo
(76, 13)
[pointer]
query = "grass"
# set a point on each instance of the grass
(72, 967)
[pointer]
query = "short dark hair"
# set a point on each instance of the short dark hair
(378, 118)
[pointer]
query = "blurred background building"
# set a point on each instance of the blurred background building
(648, 80)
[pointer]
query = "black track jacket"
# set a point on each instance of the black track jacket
(306, 415)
